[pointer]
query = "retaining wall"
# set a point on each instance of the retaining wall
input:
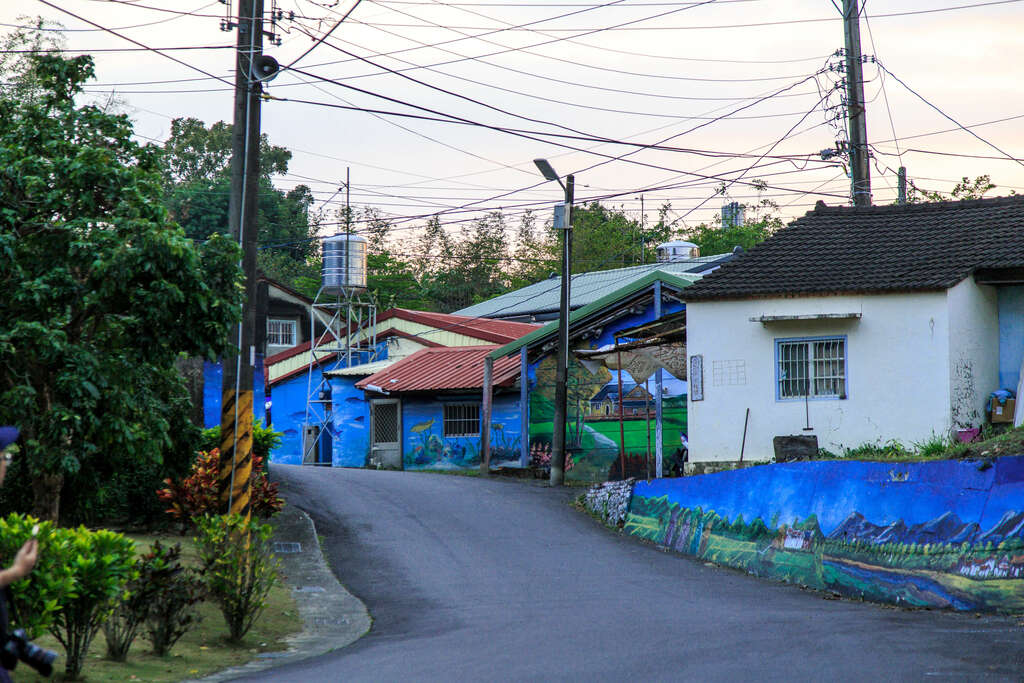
(944, 534)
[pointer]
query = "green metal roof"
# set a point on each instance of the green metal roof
(679, 281)
(544, 298)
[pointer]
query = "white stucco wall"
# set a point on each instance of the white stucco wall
(897, 373)
(974, 351)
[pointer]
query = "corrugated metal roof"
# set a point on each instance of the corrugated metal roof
(582, 315)
(497, 331)
(443, 369)
(544, 297)
(364, 369)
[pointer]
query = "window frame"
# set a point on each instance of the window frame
(295, 332)
(459, 420)
(809, 344)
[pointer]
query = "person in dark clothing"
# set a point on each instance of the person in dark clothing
(25, 560)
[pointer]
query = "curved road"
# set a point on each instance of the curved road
(483, 580)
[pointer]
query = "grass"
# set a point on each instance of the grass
(201, 651)
(993, 442)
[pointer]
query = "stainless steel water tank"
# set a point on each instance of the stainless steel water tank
(344, 263)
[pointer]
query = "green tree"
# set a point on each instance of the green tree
(18, 79)
(456, 273)
(760, 221)
(965, 189)
(535, 255)
(97, 284)
(197, 186)
(604, 238)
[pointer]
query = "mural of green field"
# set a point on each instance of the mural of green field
(910, 574)
(595, 440)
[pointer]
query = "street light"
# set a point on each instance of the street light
(562, 365)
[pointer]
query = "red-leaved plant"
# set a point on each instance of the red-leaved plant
(196, 494)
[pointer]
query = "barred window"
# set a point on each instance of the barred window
(462, 419)
(811, 367)
(282, 332)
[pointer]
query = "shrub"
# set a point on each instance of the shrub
(239, 568)
(172, 612)
(264, 440)
(100, 564)
(197, 494)
(37, 597)
(157, 584)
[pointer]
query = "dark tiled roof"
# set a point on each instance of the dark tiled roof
(910, 247)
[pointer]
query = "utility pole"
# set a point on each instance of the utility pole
(860, 173)
(901, 185)
(236, 417)
(562, 364)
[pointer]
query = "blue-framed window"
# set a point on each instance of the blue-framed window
(810, 368)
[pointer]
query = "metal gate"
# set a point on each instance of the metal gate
(386, 430)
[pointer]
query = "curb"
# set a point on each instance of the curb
(332, 617)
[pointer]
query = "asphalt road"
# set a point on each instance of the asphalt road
(491, 580)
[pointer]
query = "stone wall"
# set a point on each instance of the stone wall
(609, 501)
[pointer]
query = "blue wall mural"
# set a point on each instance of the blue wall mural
(288, 413)
(213, 375)
(929, 534)
(424, 445)
(593, 420)
(351, 418)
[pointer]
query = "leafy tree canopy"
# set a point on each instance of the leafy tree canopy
(195, 161)
(97, 282)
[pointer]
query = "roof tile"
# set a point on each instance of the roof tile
(441, 369)
(877, 249)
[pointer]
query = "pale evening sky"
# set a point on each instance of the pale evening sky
(687, 75)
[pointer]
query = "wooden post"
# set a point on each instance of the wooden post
(485, 419)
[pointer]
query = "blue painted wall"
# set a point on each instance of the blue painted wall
(213, 375)
(288, 413)
(425, 447)
(351, 421)
(935, 534)
(1011, 335)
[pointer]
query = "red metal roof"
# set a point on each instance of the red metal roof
(497, 331)
(446, 368)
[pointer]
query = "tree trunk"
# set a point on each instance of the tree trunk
(46, 490)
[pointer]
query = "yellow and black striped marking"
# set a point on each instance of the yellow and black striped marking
(236, 499)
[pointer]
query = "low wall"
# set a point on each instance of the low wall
(946, 534)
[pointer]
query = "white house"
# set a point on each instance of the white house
(858, 325)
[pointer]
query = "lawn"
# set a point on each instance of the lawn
(200, 652)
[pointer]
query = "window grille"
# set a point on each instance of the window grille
(282, 332)
(462, 419)
(385, 422)
(815, 367)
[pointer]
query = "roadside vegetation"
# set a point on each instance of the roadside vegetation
(993, 442)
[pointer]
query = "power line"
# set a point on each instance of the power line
(947, 116)
(132, 40)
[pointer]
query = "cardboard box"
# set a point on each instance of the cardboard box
(1001, 412)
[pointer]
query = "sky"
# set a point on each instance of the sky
(732, 92)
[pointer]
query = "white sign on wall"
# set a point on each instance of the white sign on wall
(697, 378)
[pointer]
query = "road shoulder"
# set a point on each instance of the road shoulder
(332, 617)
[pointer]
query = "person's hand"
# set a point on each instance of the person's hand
(25, 560)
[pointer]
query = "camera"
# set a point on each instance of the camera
(18, 647)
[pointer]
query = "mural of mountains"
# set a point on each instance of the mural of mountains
(947, 528)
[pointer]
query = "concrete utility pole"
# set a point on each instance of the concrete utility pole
(860, 172)
(562, 364)
(236, 417)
